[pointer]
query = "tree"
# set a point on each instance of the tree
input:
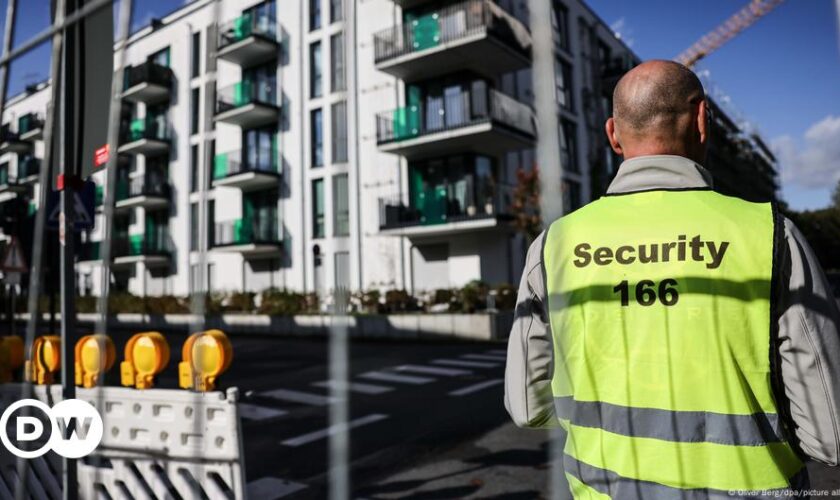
(835, 197)
(525, 206)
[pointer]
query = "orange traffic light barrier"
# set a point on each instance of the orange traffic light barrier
(146, 355)
(95, 355)
(205, 356)
(46, 360)
(11, 357)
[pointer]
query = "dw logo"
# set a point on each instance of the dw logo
(79, 416)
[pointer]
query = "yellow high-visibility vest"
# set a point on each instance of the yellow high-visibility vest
(660, 311)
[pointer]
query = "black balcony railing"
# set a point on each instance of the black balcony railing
(468, 107)
(28, 167)
(231, 163)
(142, 186)
(451, 23)
(248, 24)
(244, 93)
(6, 134)
(248, 230)
(29, 122)
(440, 205)
(151, 127)
(148, 72)
(150, 244)
(90, 250)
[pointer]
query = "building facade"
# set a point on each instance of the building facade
(316, 144)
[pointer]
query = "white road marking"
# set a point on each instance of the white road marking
(432, 370)
(485, 357)
(257, 412)
(271, 488)
(359, 387)
(297, 397)
(321, 434)
(464, 363)
(476, 387)
(396, 378)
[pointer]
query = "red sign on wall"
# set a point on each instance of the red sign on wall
(100, 157)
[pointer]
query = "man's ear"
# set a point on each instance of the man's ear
(612, 137)
(703, 122)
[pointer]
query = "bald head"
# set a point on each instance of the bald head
(659, 108)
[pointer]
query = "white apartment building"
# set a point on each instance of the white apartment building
(371, 144)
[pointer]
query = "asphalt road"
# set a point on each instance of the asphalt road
(427, 420)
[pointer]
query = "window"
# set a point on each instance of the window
(563, 83)
(194, 168)
(194, 105)
(571, 196)
(161, 57)
(339, 132)
(568, 149)
(342, 270)
(194, 227)
(316, 138)
(260, 149)
(314, 14)
(196, 54)
(336, 10)
(315, 70)
(341, 206)
(560, 25)
(337, 75)
(318, 222)
(263, 83)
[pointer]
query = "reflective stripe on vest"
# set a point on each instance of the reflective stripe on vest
(660, 309)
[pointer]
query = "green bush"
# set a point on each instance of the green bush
(399, 301)
(370, 302)
(276, 302)
(473, 296)
(241, 302)
(505, 297)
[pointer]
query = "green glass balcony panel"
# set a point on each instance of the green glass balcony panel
(220, 166)
(135, 244)
(4, 176)
(122, 190)
(406, 122)
(32, 208)
(242, 27)
(136, 129)
(100, 195)
(425, 31)
(242, 231)
(242, 93)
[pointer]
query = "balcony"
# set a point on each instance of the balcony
(474, 35)
(436, 212)
(247, 104)
(249, 236)
(89, 251)
(9, 187)
(145, 136)
(229, 170)
(148, 83)
(10, 142)
(29, 168)
(479, 119)
(142, 192)
(248, 40)
(150, 249)
(30, 127)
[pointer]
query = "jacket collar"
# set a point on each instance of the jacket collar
(645, 173)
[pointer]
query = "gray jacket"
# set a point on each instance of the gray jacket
(808, 325)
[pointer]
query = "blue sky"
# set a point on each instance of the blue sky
(782, 74)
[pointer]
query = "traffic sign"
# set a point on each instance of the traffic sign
(84, 202)
(14, 260)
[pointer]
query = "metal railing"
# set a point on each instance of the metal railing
(150, 127)
(89, 250)
(148, 72)
(247, 25)
(464, 108)
(142, 186)
(135, 245)
(446, 204)
(246, 231)
(451, 23)
(243, 93)
(28, 167)
(6, 134)
(232, 163)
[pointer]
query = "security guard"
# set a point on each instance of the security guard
(686, 341)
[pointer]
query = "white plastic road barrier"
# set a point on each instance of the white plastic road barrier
(156, 442)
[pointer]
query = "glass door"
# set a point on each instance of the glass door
(260, 149)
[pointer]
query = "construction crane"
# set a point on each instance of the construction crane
(739, 21)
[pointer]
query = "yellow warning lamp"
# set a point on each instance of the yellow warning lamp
(206, 355)
(46, 360)
(146, 355)
(95, 355)
(11, 357)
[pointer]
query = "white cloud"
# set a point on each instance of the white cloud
(623, 31)
(813, 162)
